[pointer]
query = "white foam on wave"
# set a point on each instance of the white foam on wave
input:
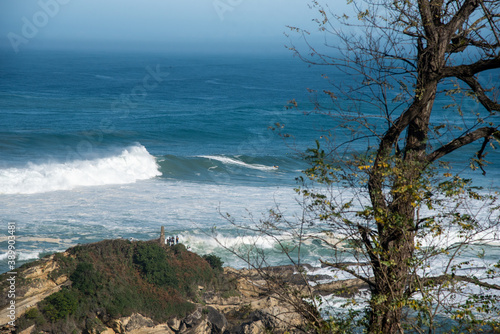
(25, 256)
(231, 242)
(132, 164)
(232, 161)
(22, 256)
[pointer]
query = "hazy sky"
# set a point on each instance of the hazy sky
(193, 25)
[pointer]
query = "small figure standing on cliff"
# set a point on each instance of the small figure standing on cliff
(176, 239)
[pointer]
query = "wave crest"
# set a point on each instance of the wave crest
(132, 164)
(234, 161)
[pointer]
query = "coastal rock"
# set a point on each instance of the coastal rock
(213, 298)
(174, 324)
(137, 321)
(160, 329)
(108, 331)
(38, 286)
(256, 327)
(116, 325)
(344, 288)
(102, 331)
(206, 320)
(202, 327)
(217, 320)
(28, 330)
(194, 318)
(273, 314)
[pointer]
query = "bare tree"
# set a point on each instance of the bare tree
(385, 191)
(401, 57)
(413, 226)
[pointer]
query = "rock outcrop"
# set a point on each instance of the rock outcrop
(37, 285)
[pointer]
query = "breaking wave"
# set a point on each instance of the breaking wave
(132, 164)
(237, 162)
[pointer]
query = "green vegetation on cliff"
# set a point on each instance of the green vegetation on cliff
(115, 278)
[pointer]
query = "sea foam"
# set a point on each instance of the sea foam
(132, 164)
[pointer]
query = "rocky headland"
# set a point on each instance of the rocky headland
(119, 286)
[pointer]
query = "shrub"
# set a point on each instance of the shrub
(214, 261)
(31, 316)
(85, 278)
(179, 248)
(32, 313)
(66, 265)
(152, 261)
(61, 304)
(94, 325)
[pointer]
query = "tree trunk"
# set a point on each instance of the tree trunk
(385, 319)
(394, 213)
(391, 278)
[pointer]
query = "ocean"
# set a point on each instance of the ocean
(103, 145)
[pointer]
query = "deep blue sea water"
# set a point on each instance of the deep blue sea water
(105, 145)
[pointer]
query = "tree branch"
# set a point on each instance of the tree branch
(426, 15)
(343, 267)
(490, 16)
(461, 15)
(489, 104)
(460, 43)
(471, 69)
(460, 141)
(459, 278)
(480, 154)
